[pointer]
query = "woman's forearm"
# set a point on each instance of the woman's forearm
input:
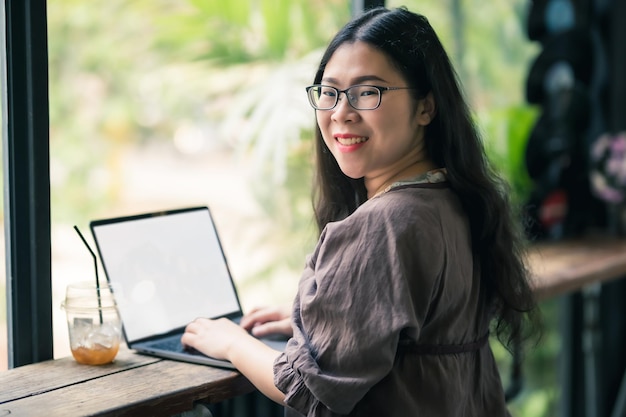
(255, 361)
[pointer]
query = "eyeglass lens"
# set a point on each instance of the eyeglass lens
(361, 97)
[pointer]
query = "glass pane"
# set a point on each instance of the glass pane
(160, 107)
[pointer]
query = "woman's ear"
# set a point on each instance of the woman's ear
(427, 109)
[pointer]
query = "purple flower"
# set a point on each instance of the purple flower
(608, 175)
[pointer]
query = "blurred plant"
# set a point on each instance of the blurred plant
(540, 388)
(238, 31)
(167, 67)
(272, 115)
(506, 132)
(270, 118)
(92, 113)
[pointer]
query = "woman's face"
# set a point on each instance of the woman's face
(379, 144)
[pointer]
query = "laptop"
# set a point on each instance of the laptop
(168, 268)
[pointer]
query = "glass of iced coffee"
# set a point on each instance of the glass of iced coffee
(93, 322)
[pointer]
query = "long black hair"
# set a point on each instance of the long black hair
(452, 141)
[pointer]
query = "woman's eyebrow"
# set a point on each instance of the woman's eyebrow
(358, 80)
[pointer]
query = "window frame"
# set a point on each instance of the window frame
(26, 170)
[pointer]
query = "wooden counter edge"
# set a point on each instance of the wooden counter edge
(568, 266)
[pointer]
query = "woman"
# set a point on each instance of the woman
(418, 254)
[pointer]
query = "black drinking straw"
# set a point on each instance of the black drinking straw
(95, 264)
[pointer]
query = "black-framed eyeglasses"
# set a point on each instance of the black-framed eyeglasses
(360, 97)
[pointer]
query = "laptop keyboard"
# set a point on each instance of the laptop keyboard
(173, 344)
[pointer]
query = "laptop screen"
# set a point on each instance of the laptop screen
(166, 269)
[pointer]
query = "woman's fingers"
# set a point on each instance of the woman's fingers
(268, 320)
(212, 337)
(273, 327)
(260, 316)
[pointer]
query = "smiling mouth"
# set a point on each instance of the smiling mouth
(351, 141)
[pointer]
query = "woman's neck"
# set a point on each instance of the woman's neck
(379, 185)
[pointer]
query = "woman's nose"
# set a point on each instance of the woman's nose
(343, 111)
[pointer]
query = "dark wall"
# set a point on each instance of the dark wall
(617, 43)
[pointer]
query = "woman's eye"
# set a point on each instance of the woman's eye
(329, 93)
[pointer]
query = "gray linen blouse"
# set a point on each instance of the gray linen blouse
(389, 319)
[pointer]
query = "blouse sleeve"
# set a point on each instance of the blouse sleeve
(354, 300)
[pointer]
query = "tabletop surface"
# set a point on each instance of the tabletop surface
(141, 385)
(133, 385)
(567, 266)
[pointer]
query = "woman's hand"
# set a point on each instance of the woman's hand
(214, 338)
(224, 339)
(268, 320)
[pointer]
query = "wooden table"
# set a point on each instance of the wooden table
(133, 385)
(582, 265)
(138, 385)
(568, 266)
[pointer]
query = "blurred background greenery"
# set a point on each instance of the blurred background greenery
(164, 103)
